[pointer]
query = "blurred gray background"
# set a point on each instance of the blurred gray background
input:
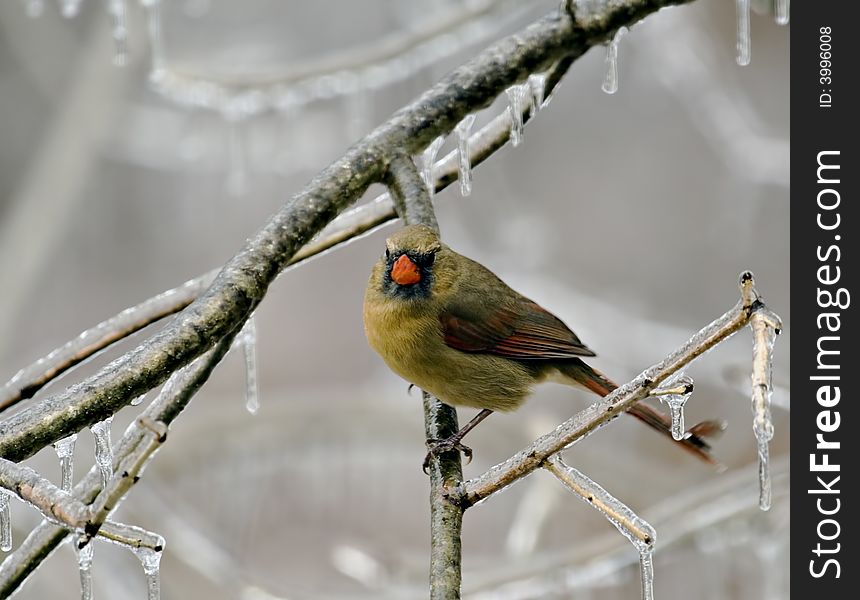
(630, 216)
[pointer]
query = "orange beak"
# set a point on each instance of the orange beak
(404, 271)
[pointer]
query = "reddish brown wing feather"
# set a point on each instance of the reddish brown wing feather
(528, 333)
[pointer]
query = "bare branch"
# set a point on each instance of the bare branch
(606, 409)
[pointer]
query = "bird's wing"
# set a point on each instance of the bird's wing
(524, 330)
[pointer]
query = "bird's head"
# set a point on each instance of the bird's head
(410, 255)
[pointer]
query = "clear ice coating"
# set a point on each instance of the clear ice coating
(743, 17)
(610, 80)
(150, 560)
(104, 454)
(5, 522)
(119, 30)
(248, 340)
(66, 453)
(537, 86)
(782, 12)
(462, 130)
(517, 96)
(762, 390)
(428, 159)
(676, 403)
(646, 571)
(85, 562)
(629, 524)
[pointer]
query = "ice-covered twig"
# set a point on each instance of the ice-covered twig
(47, 536)
(55, 504)
(765, 326)
(602, 411)
(630, 525)
(128, 472)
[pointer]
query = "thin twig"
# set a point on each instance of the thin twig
(606, 409)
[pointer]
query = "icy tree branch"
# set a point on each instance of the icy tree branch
(606, 409)
(47, 536)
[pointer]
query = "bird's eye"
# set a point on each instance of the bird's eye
(387, 253)
(429, 258)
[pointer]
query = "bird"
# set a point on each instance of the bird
(449, 325)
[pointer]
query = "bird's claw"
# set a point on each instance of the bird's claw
(437, 447)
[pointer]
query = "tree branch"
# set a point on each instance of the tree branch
(606, 409)
(412, 200)
(42, 540)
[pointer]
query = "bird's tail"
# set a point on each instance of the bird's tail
(602, 386)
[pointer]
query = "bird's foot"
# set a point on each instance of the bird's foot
(437, 447)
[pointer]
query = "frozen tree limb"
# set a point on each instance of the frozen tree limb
(67, 511)
(42, 541)
(606, 409)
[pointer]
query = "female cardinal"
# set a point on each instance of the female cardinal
(450, 326)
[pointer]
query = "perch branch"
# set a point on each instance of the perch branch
(347, 226)
(43, 539)
(440, 420)
(606, 409)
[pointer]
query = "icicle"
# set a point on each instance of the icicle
(782, 12)
(463, 129)
(516, 98)
(248, 340)
(764, 336)
(66, 453)
(85, 562)
(675, 398)
(428, 160)
(150, 560)
(628, 523)
(537, 86)
(153, 25)
(610, 80)
(70, 8)
(5, 522)
(104, 454)
(743, 17)
(119, 31)
(138, 400)
(646, 572)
